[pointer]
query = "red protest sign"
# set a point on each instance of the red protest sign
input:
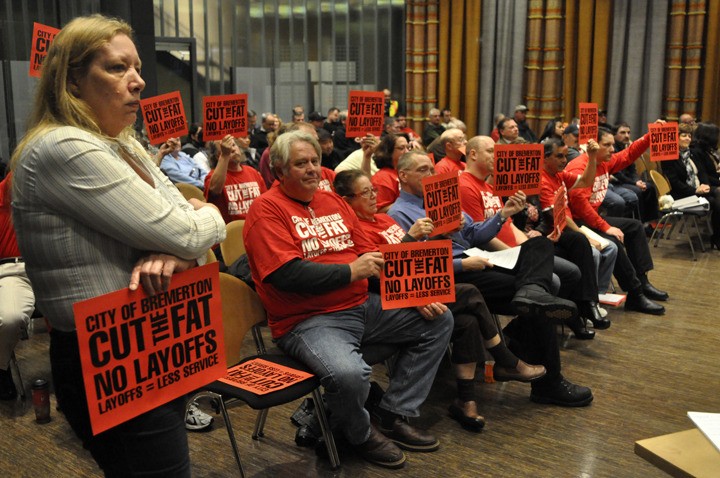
(164, 117)
(42, 37)
(442, 201)
(664, 141)
(139, 352)
(517, 168)
(559, 215)
(365, 113)
(223, 115)
(588, 122)
(262, 377)
(416, 274)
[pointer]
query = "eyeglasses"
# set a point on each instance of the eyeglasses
(365, 193)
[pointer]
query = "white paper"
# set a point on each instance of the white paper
(611, 299)
(709, 424)
(506, 258)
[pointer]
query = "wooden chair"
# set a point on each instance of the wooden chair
(243, 311)
(674, 217)
(189, 191)
(233, 246)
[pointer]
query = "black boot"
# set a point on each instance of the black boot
(578, 326)
(650, 291)
(637, 301)
(7, 386)
(589, 310)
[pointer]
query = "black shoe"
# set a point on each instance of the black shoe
(562, 393)
(533, 300)
(589, 311)
(7, 386)
(579, 328)
(653, 293)
(408, 437)
(650, 291)
(472, 424)
(379, 450)
(638, 302)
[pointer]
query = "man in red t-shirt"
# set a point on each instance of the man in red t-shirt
(634, 260)
(454, 141)
(310, 261)
(230, 185)
(17, 300)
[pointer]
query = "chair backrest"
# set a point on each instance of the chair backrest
(233, 246)
(189, 191)
(210, 257)
(640, 166)
(661, 184)
(241, 309)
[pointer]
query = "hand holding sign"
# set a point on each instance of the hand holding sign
(432, 311)
(368, 265)
(423, 227)
(592, 146)
(154, 271)
(514, 204)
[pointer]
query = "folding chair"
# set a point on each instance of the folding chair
(242, 311)
(674, 217)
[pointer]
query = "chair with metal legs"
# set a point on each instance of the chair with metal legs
(243, 311)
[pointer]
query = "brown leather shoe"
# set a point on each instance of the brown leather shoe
(380, 451)
(410, 438)
(522, 372)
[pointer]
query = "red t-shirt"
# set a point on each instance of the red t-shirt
(388, 187)
(446, 165)
(240, 190)
(550, 184)
(478, 199)
(586, 201)
(383, 230)
(327, 178)
(8, 241)
(279, 229)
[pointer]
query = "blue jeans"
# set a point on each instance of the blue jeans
(619, 202)
(604, 264)
(330, 345)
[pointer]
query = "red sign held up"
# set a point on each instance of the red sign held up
(366, 111)
(517, 168)
(164, 117)
(43, 36)
(139, 352)
(417, 274)
(442, 201)
(223, 115)
(588, 122)
(664, 141)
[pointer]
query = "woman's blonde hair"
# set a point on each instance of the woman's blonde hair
(68, 59)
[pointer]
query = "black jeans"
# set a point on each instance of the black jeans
(152, 444)
(633, 254)
(574, 247)
(498, 285)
